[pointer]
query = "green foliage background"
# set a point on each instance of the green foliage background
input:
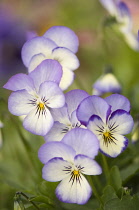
(20, 170)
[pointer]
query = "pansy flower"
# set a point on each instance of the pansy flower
(35, 95)
(109, 120)
(57, 48)
(120, 11)
(66, 162)
(106, 83)
(65, 118)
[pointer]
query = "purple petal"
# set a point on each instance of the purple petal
(20, 82)
(73, 99)
(117, 101)
(19, 103)
(63, 37)
(48, 70)
(38, 123)
(52, 94)
(36, 46)
(51, 150)
(93, 105)
(82, 141)
(95, 124)
(121, 122)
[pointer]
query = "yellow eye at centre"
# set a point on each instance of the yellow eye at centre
(106, 134)
(76, 172)
(41, 105)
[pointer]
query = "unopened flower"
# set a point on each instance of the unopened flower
(68, 162)
(57, 48)
(65, 118)
(109, 120)
(35, 95)
(107, 83)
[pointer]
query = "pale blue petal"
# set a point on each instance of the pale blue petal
(82, 141)
(93, 105)
(20, 82)
(53, 149)
(117, 101)
(73, 99)
(63, 37)
(36, 46)
(48, 70)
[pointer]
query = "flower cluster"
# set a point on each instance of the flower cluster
(75, 125)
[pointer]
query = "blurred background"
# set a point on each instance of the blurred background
(99, 47)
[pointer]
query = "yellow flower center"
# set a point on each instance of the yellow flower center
(76, 173)
(106, 134)
(41, 105)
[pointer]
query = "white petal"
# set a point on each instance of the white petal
(66, 58)
(38, 123)
(67, 78)
(35, 61)
(56, 169)
(74, 192)
(121, 122)
(53, 94)
(61, 115)
(113, 149)
(56, 133)
(20, 102)
(89, 166)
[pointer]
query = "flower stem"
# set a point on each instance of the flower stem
(105, 166)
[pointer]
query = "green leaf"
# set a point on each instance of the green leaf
(129, 171)
(115, 178)
(108, 194)
(43, 199)
(127, 203)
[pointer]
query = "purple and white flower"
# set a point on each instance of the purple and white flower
(121, 12)
(68, 162)
(107, 83)
(58, 43)
(109, 120)
(35, 95)
(65, 118)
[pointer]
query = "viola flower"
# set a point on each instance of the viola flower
(38, 49)
(35, 95)
(109, 120)
(120, 11)
(66, 164)
(107, 83)
(65, 117)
